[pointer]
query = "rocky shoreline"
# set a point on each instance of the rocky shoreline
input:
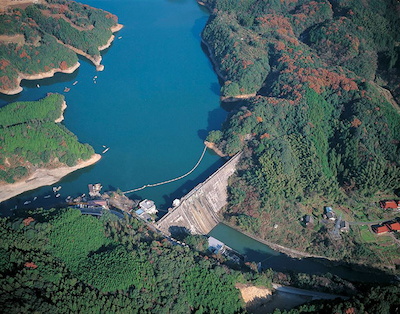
(39, 76)
(43, 176)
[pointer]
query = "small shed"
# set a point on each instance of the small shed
(344, 226)
(330, 215)
(308, 220)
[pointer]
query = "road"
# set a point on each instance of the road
(314, 294)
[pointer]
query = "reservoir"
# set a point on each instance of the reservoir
(152, 105)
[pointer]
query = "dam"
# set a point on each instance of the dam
(198, 211)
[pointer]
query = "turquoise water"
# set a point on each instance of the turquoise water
(152, 105)
(258, 252)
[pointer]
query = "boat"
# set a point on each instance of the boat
(95, 77)
(104, 146)
(27, 202)
(47, 196)
(106, 150)
(66, 89)
(74, 83)
(37, 85)
(35, 198)
(119, 37)
(58, 195)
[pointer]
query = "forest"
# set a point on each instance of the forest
(30, 138)
(37, 35)
(60, 261)
(319, 124)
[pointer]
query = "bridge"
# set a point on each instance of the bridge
(198, 210)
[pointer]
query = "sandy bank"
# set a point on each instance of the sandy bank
(61, 117)
(237, 97)
(216, 150)
(38, 76)
(42, 177)
(250, 293)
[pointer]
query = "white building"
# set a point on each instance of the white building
(148, 206)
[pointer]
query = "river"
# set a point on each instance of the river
(152, 105)
(258, 252)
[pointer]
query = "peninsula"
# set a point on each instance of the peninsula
(35, 149)
(32, 31)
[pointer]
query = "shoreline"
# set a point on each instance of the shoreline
(61, 117)
(95, 60)
(42, 177)
(38, 76)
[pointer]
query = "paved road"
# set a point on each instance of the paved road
(314, 294)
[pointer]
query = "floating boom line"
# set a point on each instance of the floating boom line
(172, 180)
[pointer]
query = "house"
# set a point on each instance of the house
(344, 226)
(308, 220)
(330, 216)
(393, 226)
(215, 245)
(98, 203)
(94, 189)
(142, 214)
(148, 206)
(390, 204)
(379, 229)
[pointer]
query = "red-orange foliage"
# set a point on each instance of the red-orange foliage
(27, 221)
(247, 114)
(265, 135)
(31, 265)
(24, 54)
(4, 63)
(63, 65)
(356, 123)
(246, 63)
(276, 22)
(259, 119)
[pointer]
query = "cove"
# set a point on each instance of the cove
(255, 251)
(152, 105)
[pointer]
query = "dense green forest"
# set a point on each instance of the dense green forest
(29, 138)
(59, 261)
(34, 37)
(320, 128)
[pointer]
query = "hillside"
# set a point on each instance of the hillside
(40, 39)
(31, 138)
(62, 261)
(315, 117)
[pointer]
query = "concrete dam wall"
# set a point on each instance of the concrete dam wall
(198, 210)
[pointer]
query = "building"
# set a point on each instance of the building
(98, 203)
(390, 204)
(94, 189)
(142, 214)
(216, 246)
(148, 206)
(308, 220)
(379, 229)
(393, 226)
(344, 226)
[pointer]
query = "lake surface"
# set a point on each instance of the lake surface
(152, 105)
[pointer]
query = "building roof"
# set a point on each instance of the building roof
(215, 244)
(139, 211)
(380, 229)
(388, 204)
(394, 226)
(328, 209)
(147, 204)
